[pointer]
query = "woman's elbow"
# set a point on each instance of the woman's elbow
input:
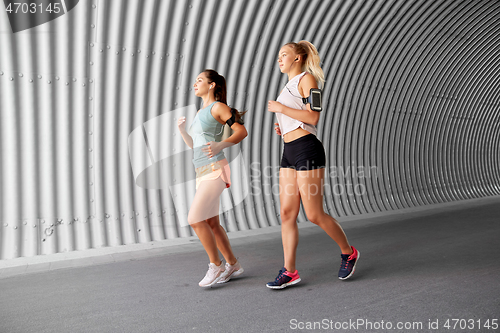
(315, 119)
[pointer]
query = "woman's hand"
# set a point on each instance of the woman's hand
(277, 128)
(273, 106)
(181, 123)
(212, 148)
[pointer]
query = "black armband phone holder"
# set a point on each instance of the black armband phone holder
(231, 120)
(314, 99)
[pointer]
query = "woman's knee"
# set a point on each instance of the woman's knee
(288, 214)
(316, 217)
(213, 222)
(194, 221)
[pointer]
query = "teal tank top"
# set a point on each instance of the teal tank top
(204, 129)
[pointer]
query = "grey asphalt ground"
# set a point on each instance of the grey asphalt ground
(416, 269)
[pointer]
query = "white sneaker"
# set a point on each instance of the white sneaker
(231, 271)
(213, 275)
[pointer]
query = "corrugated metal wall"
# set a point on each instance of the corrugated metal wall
(90, 155)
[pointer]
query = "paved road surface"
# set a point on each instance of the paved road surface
(415, 269)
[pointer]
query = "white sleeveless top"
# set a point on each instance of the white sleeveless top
(291, 97)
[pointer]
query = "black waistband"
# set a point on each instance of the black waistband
(306, 137)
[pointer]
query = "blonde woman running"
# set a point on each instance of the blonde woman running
(303, 162)
(212, 172)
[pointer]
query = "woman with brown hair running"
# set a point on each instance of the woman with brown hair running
(303, 163)
(212, 172)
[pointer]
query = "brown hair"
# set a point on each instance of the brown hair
(220, 92)
(310, 59)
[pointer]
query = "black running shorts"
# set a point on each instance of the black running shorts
(304, 153)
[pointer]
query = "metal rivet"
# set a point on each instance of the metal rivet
(92, 44)
(57, 78)
(92, 25)
(49, 82)
(123, 49)
(107, 216)
(161, 58)
(90, 166)
(90, 116)
(67, 83)
(168, 54)
(117, 52)
(1, 73)
(6, 225)
(108, 47)
(184, 39)
(138, 230)
(74, 79)
(91, 98)
(21, 74)
(25, 222)
(91, 63)
(187, 23)
(100, 50)
(138, 51)
(132, 54)
(147, 56)
(93, 6)
(153, 52)
(137, 214)
(39, 76)
(91, 183)
(75, 219)
(90, 132)
(90, 149)
(83, 85)
(91, 81)
(91, 200)
(163, 211)
(31, 80)
(12, 79)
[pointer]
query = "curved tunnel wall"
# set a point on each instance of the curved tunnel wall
(90, 155)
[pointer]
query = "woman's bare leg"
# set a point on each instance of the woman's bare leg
(310, 183)
(222, 240)
(205, 206)
(290, 205)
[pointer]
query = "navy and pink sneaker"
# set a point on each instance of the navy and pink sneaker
(348, 264)
(284, 279)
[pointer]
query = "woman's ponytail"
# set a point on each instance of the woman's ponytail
(220, 91)
(311, 61)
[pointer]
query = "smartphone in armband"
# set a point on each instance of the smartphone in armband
(314, 99)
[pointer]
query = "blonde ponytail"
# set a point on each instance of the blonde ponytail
(311, 61)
